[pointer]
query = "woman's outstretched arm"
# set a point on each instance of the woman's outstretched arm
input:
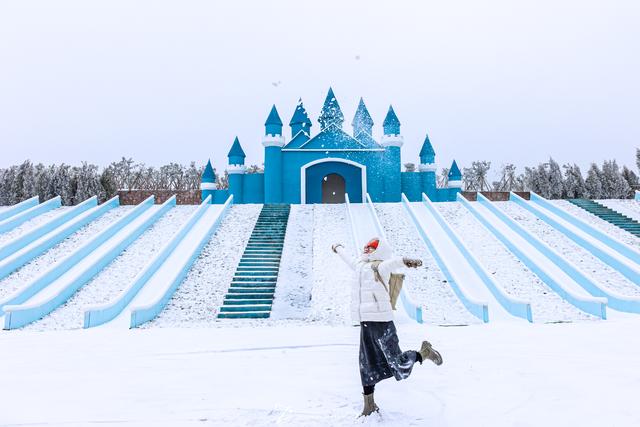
(339, 249)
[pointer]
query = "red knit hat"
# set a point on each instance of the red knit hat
(373, 243)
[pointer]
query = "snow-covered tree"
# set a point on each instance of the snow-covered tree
(409, 167)
(475, 177)
(632, 180)
(508, 179)
(23, 185)
(556, 184)
(87, 183)
(614, 185)
(574, 186)
(593, 182)
(443, 179)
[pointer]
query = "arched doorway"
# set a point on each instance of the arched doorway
(333, 188)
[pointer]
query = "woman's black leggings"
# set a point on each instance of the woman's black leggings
(368, 389)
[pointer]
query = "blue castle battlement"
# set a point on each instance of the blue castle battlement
(324, 167)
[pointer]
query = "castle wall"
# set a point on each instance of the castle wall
(253, 188)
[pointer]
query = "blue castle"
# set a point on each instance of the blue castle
(323, 167)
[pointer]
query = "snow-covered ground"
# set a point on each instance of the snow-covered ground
(601, 224)
(29, 225)
(604, 275)
(627, 207)
(295, 277)
(109, 282)
(427, 284)
(198, 298)
(22, 276)
(510, 273)
(493, 375)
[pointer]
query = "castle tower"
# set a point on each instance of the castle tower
(300, 121)
(331, 114)
(427, 169)
(273, 141)
(208, 182)
(362, 121)
(236, 170)
(392, 142)
(455, 181)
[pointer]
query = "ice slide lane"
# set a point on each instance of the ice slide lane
(560, 275)
(595, 246)
(32, 212)
(12, 210)
(466, 276)
(63, 217)
(364, 225)
(148, 293)
(587, 229)
(56, 285)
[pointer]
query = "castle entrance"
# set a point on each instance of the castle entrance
(333, 189)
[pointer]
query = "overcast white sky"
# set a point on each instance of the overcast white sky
(506, 81)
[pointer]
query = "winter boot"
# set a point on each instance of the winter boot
(429, 353)
(369, 405)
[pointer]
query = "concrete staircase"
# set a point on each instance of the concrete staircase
(609, 215)
(253, 286)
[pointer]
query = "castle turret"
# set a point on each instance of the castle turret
(273, 141)
(300, 120)
(331, 114)
(208, 182)
(362, 121)
(392, 142)
(454, 181)
(236, 170)
(427, 169)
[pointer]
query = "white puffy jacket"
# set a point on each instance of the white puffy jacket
(370, 301)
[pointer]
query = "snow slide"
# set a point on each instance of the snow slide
(42, 244)
(364, 226)
(151, 289)
(12, 210)
(561, 276)
(548, 213)
(24, 216)
(57, 284)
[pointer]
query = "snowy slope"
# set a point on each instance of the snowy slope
(427, 284)
(601, 224)
(22, 276)
(602, 273)
(118, 274)
(295, 277)
(627, 207)
(27, 226)
(197, 300)
(516, 279)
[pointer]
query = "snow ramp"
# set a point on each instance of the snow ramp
(560, 275)
(148, 293)
(56, 285)
(364, 225)
(608, 255)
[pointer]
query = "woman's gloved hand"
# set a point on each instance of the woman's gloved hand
(412, 263)
(335, 247)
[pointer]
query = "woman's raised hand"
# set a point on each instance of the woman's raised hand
(335, 247)
(412, 263)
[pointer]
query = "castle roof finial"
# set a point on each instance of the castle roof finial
(331, 114)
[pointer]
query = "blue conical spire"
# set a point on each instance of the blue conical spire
(331, 114)
(273, 125)
(427, 154)
(391, 124)
(209, 175)
(362, 121)
(454, 172)
(236, 154)
(300, 120)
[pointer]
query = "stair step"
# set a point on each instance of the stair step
(242, 308)
(245, 315)
(230, 302)
(244, 296)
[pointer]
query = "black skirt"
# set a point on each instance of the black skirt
(380, 354)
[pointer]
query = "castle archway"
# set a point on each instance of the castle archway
(342, 176)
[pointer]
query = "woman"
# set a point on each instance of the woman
(380, 354)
